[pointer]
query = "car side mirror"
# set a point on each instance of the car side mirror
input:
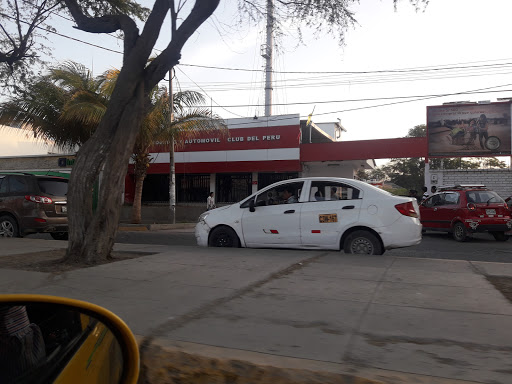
(251, 206)
(55, 339)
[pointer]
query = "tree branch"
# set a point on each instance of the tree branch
(156, 70)
(105, 24)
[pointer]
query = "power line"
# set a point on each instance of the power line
(405, 70)
(62, 35)
(208, 95)
(480, 90)
(377, 98)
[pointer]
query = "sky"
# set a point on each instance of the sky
(429, 52)
(16, 142)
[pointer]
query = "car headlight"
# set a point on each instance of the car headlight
(203, 216)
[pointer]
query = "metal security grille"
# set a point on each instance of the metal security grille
(265, 179)
(189, 188)
(192, 188)
(233, 188)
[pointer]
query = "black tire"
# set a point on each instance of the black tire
(59, 235)
(459, 232)
(8, 227)
(499, 236)
(363, 242)
(223, 237)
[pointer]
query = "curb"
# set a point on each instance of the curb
(171, 361)
(154, 227)
(168, 365)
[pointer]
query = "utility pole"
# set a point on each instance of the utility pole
(172, 167)
(267, 52)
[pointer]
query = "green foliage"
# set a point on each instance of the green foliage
(407, 173)
(397, 191)
(64, 106)
(417, 131)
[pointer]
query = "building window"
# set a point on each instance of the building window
(265, 179)
(233, 187)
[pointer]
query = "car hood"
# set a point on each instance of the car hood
(222, 208)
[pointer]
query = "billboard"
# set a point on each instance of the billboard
(463, 130)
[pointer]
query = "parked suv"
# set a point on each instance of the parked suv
(32, 203)
(465, 209)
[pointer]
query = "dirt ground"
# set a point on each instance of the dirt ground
(51, 261)
(502, 284)
(162, 366)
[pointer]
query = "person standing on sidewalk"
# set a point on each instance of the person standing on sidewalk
(210, 202)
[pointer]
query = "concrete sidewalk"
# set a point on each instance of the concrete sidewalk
(391, 319)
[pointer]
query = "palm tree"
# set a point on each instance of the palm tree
(63, 107)
(188, 122)
(157, 127)
(67, 105)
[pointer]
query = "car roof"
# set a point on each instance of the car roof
(464, 187)
(3, 174)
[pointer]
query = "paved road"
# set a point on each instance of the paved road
(434, 245)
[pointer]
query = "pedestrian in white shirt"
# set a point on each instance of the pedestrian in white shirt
(210, 202)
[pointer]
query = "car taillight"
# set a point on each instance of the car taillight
(39, 199)
(407, 209)
(471, 206)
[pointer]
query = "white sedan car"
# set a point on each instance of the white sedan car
(315, 213)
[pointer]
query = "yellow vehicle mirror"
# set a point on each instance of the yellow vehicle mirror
(48, 339)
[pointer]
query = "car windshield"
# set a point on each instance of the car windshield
(483, 197)
(54, 187)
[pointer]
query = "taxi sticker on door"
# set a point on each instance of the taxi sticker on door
(328, 218)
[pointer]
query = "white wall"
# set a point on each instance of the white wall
(499, 180)
(328, 169)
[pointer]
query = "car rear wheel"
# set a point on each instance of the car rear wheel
(499, 236)
(363, 242)
(223, 237)
(459, 232)
(59, 235)
(8, 227)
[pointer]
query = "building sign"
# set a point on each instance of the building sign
(64, 162)
(239, 139)
(460, 130)
(266, 144)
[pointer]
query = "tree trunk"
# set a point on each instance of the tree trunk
(91, 238)
(137, 199)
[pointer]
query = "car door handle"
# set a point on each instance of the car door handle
(290, 211)
(348, 207)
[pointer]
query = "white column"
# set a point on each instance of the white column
(428, 183)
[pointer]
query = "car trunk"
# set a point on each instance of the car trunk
(487, 204)
(55, 189)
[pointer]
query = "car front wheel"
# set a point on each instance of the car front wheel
(363, 242)
(8, 227)
(459, 232)
(499, 236)
(223, 237)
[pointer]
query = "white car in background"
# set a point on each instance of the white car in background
(315, 213)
